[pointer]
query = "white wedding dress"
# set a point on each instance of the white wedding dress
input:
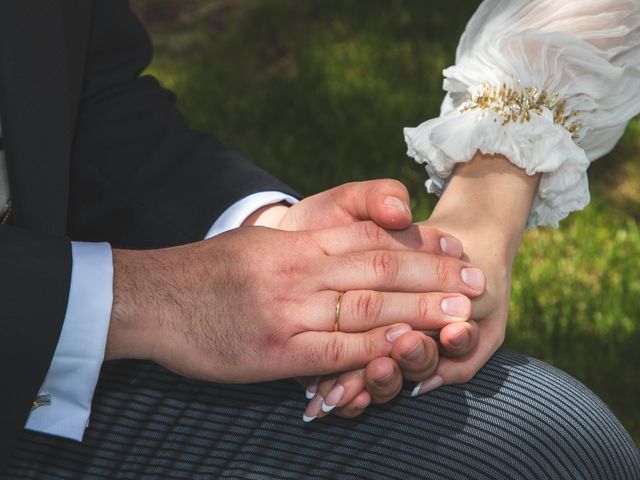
(550, 84)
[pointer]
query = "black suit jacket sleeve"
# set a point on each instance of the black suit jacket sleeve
(138, 177)
(35, 271)
(141, 177)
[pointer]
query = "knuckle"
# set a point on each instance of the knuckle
(393, 184)
(385, 266)
(443, 271)
(334, 350)
(425, 307)
(374, 234)
(370, 346)
(368, 308)
(290, 270)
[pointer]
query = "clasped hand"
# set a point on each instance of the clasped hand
(258, 304)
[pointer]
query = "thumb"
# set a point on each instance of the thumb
(386, 202)
(320, 353)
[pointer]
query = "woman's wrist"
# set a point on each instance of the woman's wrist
(489, 199)
(487, 233)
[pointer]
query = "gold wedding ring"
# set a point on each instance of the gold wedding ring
(336, 325)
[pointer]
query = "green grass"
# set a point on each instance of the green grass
(317, 92)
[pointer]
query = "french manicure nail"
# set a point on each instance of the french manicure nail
(451, 246)
(312, 388)
(333, 397)
(457, 306)
(396, 332)
(416, 390)
(313, 409)
(395, 203)
(427, 386)
(473, 277)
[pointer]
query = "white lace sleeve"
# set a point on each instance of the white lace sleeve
(550, 84)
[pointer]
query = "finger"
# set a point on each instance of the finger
(314, 407)
(398, 271)
(457, 341)
(362, 236)
(337, 392)
(310, 384)
(383, 379)
(353, 384)
(356, 407)
(362, 310)
(462, 369)
(416, 354)
(319, 353)
(386, 202)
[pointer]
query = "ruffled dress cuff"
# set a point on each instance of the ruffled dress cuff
(528, 127)
(549, 84)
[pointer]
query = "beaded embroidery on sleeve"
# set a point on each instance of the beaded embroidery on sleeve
(517, 106)
(549, 84)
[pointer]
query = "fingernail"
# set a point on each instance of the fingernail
(457, 306)
(395, 203)
(451, 246)
(461, 338)
(427, 386)
(364, 405)
(395, 332)
(333, 397)
(473, 277)
(312, 388)
(313, 409)
(417, 353)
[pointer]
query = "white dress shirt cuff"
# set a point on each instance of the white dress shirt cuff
(75, 367)
(237, 213)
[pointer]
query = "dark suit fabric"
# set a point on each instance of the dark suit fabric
(95, 152)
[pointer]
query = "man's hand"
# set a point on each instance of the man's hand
(415, 355)
(385, 202)
(257, 304)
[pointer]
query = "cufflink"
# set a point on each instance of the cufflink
(40, 401)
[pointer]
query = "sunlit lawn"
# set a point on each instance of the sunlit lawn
(317, 92)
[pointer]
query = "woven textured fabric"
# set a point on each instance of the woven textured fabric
(518, 419)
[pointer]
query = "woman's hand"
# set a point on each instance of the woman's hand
(486, 247)
(485, 206)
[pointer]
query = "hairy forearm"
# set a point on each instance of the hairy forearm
(126, 323)
(142, 295)
(144, 300)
